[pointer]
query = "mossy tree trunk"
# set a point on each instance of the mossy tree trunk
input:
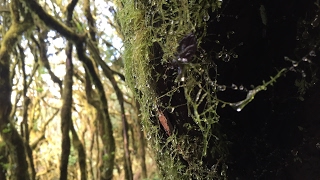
(8, 132)
(141, 143)
(178, 106)
(238, 48)
(3, 160)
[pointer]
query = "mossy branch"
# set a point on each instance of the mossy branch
(52, 22)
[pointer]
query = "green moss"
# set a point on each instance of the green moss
(144, 23)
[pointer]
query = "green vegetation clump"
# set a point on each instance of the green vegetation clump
(164, 23)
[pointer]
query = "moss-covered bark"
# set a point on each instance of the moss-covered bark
(141, 144)
(178, 104)
(3, 161)
(238, 48)
(8, 132)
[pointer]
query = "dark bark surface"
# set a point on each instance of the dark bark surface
(66, 115)
(81, 153)
(8, 132)
(275, 136)
(272, 137)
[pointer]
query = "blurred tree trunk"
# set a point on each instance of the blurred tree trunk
(77, 144)
(66, 114)
(127, 161)
(3, 161)
(109, 74)
(8, 132)
(66, 110)
(24, 124)
(142, 144)
(107, 71)
(99, 102)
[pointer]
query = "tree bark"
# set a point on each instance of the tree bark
(142, 144)
(66, 111)
(8, 132)
(98, 101)
(3, 160)
(77, 144)
(25, 124)
(66, 114)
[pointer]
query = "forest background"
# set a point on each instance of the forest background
(72, 117)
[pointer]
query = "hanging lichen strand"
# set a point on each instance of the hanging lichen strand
(169, 73)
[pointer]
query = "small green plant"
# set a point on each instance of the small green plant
(7, 129)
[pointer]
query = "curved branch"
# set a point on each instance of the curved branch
(52, 22)
(42, 46)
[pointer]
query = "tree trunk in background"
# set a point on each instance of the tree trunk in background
(127, 161)
(25, 124)
(142, 144)
(3, 160)
(77, 144)
(66, 114)
(104, 125)
(8, 132)
(99, 102)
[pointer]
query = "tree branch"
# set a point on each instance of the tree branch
(52, 22)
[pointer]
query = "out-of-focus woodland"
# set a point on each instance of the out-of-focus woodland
(65, 112)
